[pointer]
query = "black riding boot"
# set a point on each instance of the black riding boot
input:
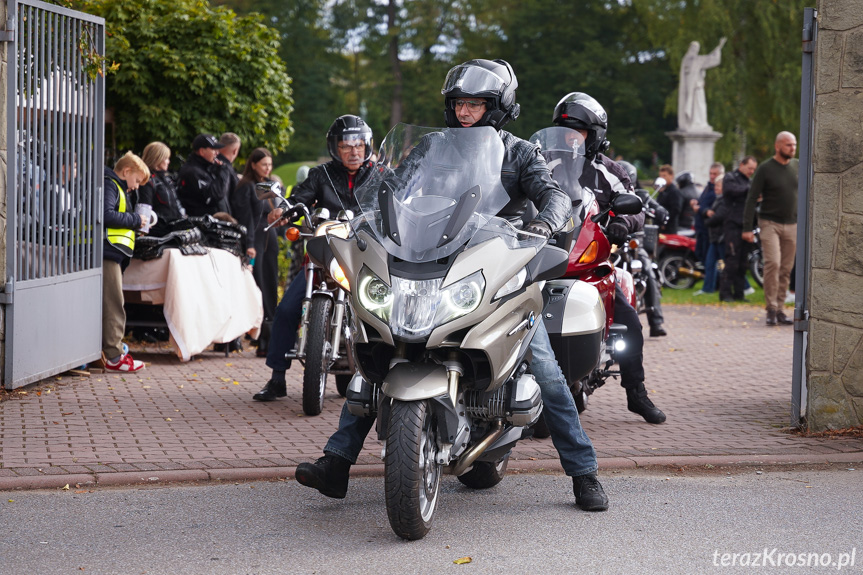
(638, 402)
(274, 389)
(329, 475)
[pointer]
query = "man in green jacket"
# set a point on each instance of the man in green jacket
(775, 182)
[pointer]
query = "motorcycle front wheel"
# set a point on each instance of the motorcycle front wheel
(317, 354)
(412, 476)
(677, 271)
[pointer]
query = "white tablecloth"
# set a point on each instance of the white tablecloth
(207, 299)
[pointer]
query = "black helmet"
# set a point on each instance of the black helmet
(579, 111)
(493, 80)
(684, 179)
(349, 128)
(631, 171)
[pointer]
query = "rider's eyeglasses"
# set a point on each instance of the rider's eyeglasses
(345, 146)
(472, 105)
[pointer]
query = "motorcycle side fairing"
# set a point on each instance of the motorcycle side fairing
(575, 320)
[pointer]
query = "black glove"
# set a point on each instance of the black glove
(539, 228)
(617, 231)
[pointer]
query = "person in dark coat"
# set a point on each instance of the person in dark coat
(714, 220)
(670, 198)
(735, 187)
(202, 184)
(160, 191)
(226, 157)
(262, 246)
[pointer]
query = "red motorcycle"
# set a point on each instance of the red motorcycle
(678, 268)
(585, 356)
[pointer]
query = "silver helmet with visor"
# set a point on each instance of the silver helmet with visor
(493, 80)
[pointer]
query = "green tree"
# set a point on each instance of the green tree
(314, 62)
(562, 46)
(755, 92)
(187, 67)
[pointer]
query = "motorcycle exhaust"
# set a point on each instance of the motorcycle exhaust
(471, 455)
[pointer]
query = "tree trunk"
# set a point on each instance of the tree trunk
(395, 64)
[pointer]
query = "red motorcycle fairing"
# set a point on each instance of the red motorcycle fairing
(589, 261)
(677, 241)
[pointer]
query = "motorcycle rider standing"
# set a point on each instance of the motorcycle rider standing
(330, 186)
(653, 294)
(482, 93)
(606, 178)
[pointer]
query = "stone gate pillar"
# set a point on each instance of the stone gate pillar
(834, 358)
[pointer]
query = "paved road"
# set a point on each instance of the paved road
(723, 378)
(658, 524)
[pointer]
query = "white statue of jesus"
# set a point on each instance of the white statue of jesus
(691, 102)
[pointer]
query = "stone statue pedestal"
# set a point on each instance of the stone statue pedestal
(693, 152)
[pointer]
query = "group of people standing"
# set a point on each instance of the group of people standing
(724, 219)
(206, 185)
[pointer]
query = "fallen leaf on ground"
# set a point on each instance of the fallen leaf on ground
(462, 560)
(66, 487)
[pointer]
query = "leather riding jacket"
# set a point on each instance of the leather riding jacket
(329, 186)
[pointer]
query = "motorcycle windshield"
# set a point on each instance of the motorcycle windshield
(563, 150)
(433, 190)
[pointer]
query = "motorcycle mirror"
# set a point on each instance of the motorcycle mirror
(627, 204)
(659, 182)
(271, 191)
(345, 215)
(321, 214)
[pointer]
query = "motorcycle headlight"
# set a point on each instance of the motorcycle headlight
(413, 308)
(513, 285)
(375, 295)
(460, 298)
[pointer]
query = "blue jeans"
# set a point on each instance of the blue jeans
(715, 252)
(576, 452)
(286, 321)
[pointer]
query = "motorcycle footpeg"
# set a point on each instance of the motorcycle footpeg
(362, 397)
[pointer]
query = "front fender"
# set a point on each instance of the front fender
(415, 381)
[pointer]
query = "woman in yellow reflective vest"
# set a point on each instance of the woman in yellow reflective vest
(120, 225)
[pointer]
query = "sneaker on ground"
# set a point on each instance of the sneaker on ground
(124, 364)
(749, 291)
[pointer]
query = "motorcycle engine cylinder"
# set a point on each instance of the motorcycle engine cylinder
(518, 402)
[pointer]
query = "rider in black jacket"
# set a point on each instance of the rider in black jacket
(585, 115)
(652, 293)
(330, 186)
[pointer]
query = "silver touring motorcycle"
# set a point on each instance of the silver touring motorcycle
(446, 298)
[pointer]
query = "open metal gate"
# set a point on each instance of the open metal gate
(53, 288)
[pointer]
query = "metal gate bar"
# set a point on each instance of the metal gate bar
(54, 207)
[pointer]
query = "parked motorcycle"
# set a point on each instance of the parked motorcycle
(446, 297)
(755, 259)
(678, 268)
(324, 335)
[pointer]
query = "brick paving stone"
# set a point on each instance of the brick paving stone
(721, 376)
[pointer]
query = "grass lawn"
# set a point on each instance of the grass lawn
(687, 296)
(288, 172)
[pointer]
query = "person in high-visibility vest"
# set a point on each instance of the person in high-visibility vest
(120, 225)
